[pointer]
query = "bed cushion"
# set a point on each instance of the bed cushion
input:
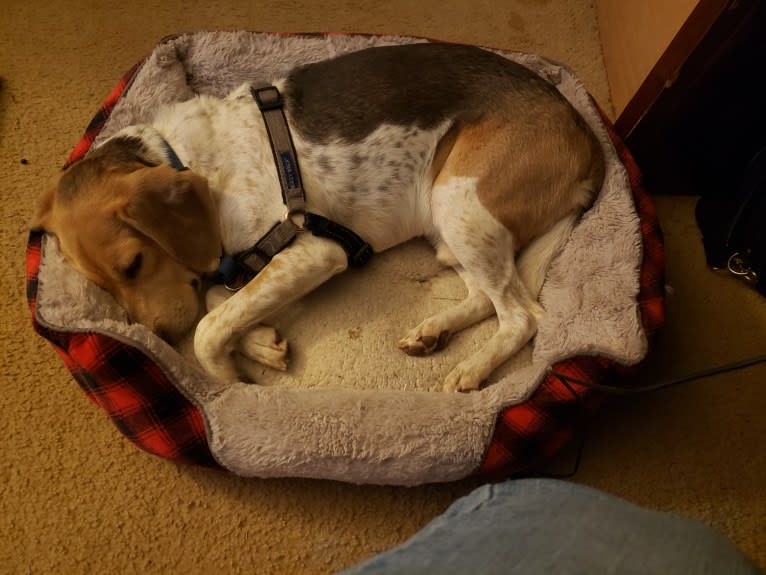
(352, 407)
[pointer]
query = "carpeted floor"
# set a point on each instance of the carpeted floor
(77, 498)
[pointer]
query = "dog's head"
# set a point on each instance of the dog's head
(143, 232)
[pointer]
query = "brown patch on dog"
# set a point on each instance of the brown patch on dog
(176, 210)
(443, 150)
(144, 234)
(535, 159)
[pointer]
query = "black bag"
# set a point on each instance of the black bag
(734, 228)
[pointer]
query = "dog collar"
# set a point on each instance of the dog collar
(236, 270)
(172, 157)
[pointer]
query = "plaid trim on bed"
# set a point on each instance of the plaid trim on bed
(100, 118)
(136, 394)
(529, 433)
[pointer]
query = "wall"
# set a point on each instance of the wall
(634, 35)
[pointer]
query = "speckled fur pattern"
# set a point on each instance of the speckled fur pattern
(381, 179)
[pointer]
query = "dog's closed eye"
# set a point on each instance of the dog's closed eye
(131, 272)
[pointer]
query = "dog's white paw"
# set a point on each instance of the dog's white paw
(215, 354)
(418, 343)
(264, 345)
(462, 378)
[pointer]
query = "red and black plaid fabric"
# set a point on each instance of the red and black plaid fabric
(531, 432)
(135, 393)
(151, 412)
(98, 121)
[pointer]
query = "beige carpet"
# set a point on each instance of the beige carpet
(76, 498)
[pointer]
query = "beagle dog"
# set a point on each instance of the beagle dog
(456, 144)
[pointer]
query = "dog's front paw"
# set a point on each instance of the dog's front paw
(461, 378)
(264, 345)
(214, 353)
(416, 342)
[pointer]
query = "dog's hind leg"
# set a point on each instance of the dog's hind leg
(485, 249)
(434, 332)
(515, 178)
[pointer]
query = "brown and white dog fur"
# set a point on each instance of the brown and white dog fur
(455, 144)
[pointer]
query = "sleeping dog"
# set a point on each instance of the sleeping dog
(455, 144)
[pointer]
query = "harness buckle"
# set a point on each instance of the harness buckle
(297, 217)
(268, 98)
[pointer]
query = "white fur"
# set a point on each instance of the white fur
(387, 198)
(381, 188)
(485, 249)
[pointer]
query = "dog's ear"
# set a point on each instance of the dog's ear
(179, 215)
(82, 176)
(42, 218)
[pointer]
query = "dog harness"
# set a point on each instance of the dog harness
(238, 269)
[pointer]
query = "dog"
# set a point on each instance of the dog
(456, 144)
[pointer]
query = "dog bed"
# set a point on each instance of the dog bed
(352, 407)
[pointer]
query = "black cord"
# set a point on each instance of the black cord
(579, 436)
(580, 429)
(580, 433)
(613, 389)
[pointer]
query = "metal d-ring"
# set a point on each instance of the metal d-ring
(291, 215)
(738, 267)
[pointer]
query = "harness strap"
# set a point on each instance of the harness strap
(270, 103)
(358, 251)
(235, 271)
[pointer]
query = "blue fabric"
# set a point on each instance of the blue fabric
(553, 527)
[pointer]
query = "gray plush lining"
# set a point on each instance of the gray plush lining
(352, 407)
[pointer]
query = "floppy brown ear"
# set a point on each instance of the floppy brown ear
(43, 213)
(180, 215)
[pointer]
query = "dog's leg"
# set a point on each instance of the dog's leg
(434, 332)
(485, 249)
(508, 179)
(262, 344)
(294, 272)
(532, 264)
